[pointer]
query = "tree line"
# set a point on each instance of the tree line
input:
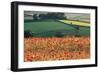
(49, 16)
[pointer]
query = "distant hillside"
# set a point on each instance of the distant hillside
(28, 15)
(78, 16)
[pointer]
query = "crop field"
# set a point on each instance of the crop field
(41, 26)
(52, 25)
(66, 48)
(87, 24)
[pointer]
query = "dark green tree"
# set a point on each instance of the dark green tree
(27, 33)
(35, 17)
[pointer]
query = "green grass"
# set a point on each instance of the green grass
(84, 31)
(49, 25)
(42, 26)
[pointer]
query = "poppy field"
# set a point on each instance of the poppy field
(56, 48)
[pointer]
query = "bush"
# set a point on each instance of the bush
(59, 34)
(27, 33)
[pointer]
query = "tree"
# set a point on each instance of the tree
(27, 33)
(35, 17)
(59, 34)
(42, 16)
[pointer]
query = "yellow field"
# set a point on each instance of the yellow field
(75, 22)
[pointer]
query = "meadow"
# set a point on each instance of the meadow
(50, 27)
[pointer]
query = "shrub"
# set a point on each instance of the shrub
(27, 33)
(59, 34)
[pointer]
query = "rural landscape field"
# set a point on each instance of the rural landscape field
(56, 36)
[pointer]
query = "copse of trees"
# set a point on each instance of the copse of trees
(49, 16)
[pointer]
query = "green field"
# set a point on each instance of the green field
(43, 26)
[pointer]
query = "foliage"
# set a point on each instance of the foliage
(59, 34)
(49, 16)
(27, 33)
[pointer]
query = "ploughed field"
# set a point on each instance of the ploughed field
(50, 49)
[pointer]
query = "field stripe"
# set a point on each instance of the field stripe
(71, 22)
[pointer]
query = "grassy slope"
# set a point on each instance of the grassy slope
(42, 26)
